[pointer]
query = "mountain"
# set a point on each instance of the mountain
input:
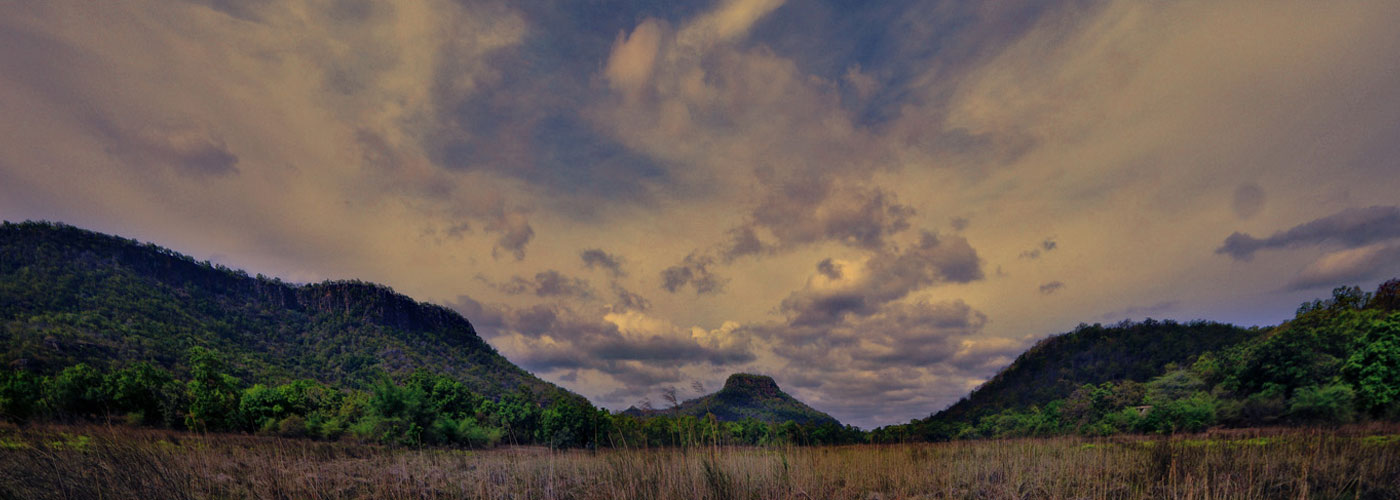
(1092, 354)
(69, 296)
(748, 396)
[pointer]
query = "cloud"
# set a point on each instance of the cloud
(911, 355)
(1046, 246)
(1349, 266)
(731, 20)
(515, 231)
(594, 258)
(1248, 200)
(547, 283)
(421, 142)
(1352, 227)
(802, 211)
(694, 271)
(633, 56)
(242, 9)
(628, 301)
(861, 290)
(633, 349)
(829, 269)
(1051, 287)
(189, 149)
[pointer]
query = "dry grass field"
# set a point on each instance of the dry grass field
(91, 462)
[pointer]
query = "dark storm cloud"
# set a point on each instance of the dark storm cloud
(595, 258)
(1352, 227)
(1051, 287)
(694, 271)
(887, 277)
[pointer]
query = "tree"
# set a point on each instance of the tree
(213, 393)
(77, 392)
(519, 414)
(21, 395)
(567, 424)
(1387, 296)
(1374, 366)
(1331, 404)
(144, 392)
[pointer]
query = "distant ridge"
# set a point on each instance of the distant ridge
(744, 396)
(69, 295)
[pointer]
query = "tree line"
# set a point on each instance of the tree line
(1336, 362)
(423, 408)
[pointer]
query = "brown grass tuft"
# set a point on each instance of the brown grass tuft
(125, 463)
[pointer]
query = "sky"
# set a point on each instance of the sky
(879, 204)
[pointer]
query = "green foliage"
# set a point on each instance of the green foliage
(70, 296)
(1172, 386)
(213, 393)
(148, 394)
(1194, 413)
(77, 390)
(567, 425)
(1055, 368)
(1338, 359)
(268, 409)
(1374, 366)
(21, 395)
(1332, 403)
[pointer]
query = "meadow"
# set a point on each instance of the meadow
(119, 462)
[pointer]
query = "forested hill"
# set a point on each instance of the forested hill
(1337, 361)
(1091, 354)
(747, 396)
(70, 296)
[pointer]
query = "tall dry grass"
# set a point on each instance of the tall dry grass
(122, 463)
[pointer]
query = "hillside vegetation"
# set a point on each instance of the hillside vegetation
(100, 328)
(1336, 362)
(70, 296)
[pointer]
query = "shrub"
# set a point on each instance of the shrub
(1333, 403)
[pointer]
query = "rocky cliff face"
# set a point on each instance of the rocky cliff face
(757, 386)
